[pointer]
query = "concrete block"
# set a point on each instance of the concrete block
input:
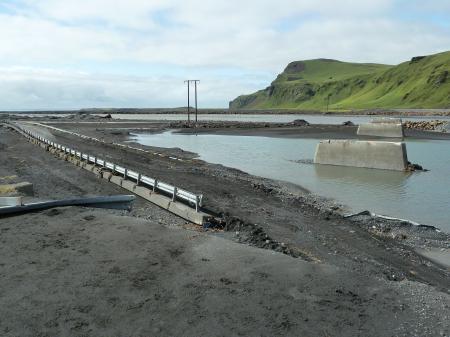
(88, 167)
(91, 168)
(116, 180)
(160, 200)
(141, 191)
(97, 170)
(128, 184)
(73, 160)
(188, 213)
(106, 175)
(368, 154)
(381, 129)
(182, 210)
(10, 201)
(387, 120)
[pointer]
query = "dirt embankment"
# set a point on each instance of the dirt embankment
(99, 272)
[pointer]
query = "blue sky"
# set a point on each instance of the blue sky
(70, 54)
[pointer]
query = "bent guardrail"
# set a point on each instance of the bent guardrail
(192, 199)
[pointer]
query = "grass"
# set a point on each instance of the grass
(419, 83)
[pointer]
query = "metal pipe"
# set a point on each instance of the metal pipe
(114, 201)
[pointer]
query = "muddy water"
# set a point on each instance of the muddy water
(420, 196)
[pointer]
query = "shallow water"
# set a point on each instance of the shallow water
(420, 196)
(313, 119)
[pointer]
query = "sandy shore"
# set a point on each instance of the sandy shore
(99, 272)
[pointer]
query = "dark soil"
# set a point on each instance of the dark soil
(103, 273)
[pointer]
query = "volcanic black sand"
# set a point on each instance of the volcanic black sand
(89, 272)
(113, 129)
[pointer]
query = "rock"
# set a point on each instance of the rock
(417, 59)
(415, 167)
(300, 122)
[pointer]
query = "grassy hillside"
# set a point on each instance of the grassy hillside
(422, 82)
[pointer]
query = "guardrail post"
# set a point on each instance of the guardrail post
(114, 168)
(155, 183)
(174, 193)
(196, 203)
(125, 172)
(138, 179)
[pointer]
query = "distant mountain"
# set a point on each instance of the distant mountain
(422, 82)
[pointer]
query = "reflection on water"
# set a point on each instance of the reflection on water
(420, 196)
(377, 180)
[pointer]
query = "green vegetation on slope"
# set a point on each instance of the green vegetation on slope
(423, 82)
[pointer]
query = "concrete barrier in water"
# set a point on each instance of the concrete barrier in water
(368, 154)
(387, 120)
(382, 127)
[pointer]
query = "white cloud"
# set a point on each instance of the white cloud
(47, 89)
(194, 35)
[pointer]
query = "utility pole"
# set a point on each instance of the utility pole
(188, 103)
(328, 101)
(188, 99)
(196, 106)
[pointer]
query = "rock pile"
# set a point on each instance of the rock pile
(434, 125)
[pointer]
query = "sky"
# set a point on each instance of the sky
(72, 54)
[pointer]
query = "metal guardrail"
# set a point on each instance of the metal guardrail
(192, 199)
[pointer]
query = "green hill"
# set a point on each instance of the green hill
(422, 82)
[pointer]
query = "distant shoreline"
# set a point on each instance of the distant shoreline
(182, 111)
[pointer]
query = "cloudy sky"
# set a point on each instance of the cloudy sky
(70, 54)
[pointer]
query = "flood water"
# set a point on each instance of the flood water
(419, 196)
